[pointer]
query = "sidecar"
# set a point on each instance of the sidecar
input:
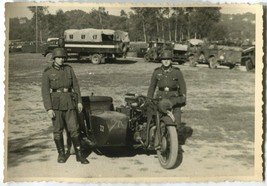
(100, 124)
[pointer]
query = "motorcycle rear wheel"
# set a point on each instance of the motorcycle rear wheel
(168, 157)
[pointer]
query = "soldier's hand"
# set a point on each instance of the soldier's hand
(80, 107)
(51, 113)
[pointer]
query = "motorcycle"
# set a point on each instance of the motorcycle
(142, 123)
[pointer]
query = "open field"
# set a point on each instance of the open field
(220, 109)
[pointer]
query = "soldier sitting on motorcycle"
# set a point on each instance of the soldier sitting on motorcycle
(171, 85)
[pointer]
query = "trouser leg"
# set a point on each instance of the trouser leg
(183, 131)
(58, 126)
(73, 127)
(178, 116)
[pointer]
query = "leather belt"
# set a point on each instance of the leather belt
(62, 90)
(167, 89)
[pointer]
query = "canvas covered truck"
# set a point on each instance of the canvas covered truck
(94, 44)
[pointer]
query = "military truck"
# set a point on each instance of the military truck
(155, 48)
(214, 55)
(248, 58)
(94, 44)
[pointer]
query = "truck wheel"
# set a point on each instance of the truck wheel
(192, 61)
(146, 57)
(96, 59)
(48, 57)
(249, 65)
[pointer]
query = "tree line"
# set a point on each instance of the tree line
(143, 24)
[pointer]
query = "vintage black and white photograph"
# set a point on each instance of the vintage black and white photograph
(133, 93)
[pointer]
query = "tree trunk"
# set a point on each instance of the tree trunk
(41, 37)
(181, 33)
(175, 33)
(157, 22)
(163, 34)
(170, 35)
(144, 30)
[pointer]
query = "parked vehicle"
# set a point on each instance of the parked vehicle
(155, 48)
(153, 51)
(180, 53)
(248, 58)
(15, 46)
(95, 44)
(143, 123)
(214, 55)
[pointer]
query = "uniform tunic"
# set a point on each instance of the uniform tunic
(171, 85)
(171, 79)
(61, 93)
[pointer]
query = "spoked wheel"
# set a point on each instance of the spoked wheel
(146, 57)
(168, 150)
(249, 65)
(96, 59)
(212, 62)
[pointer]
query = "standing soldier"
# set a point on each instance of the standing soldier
(171, 85)
(62, 97)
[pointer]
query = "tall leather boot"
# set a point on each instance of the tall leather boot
(77, 148)
(70, 149)
(61, 151)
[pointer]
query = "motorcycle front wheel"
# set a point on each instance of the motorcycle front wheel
(168, 151)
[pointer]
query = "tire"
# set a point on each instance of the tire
(96, 59)
(192, 61)
(146, 57)
(212, 62)
(168, 157)
(249, 65)
(49, 58)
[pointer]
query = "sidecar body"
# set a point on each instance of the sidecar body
(101, 124)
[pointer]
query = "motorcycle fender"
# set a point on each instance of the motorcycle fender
(168, 121)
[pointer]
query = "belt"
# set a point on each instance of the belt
(167, 89)
(62, 90)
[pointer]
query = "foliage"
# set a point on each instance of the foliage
(142, 23)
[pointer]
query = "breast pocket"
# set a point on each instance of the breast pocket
(159, 77)
(54, 82)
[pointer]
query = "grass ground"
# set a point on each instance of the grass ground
(220, 102)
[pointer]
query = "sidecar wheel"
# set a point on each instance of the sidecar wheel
(168, 155)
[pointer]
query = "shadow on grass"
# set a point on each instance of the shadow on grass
(22, 150)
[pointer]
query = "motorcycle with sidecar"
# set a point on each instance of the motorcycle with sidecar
(142, 123)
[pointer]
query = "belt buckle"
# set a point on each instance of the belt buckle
(166, 89)
(65, 89)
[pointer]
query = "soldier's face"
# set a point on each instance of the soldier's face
(166, 62)
(59, 60)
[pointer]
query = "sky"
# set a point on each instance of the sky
(21, 10)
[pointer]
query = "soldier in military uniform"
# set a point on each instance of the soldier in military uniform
(62, 98)
(171, 85)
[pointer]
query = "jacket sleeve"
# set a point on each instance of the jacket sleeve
(76, 86)
(181, 83)
(153, 85)
(46, 92)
